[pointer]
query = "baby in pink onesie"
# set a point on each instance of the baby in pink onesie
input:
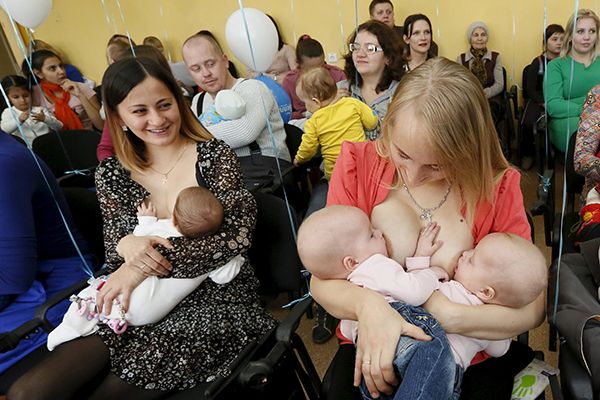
(339, 242)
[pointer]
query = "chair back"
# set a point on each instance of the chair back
(523, 79)
(68, 150)
(293, 138)
(575, 181)
(273, 253)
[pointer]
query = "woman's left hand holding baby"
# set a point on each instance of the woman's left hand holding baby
(121, 282)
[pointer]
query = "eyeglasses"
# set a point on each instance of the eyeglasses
(369, 48)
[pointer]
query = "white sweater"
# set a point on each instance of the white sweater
(31, 128)
(252, 126)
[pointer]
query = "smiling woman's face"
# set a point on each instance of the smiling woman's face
(150, 111)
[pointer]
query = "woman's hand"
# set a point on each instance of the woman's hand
(341, 92)
(71, 87)
(379, 329)
(139, 252)
(120, 282)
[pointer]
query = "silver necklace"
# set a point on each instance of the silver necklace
(427, 213)
(165, 175)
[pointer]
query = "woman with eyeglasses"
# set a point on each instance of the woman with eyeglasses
(373, 67)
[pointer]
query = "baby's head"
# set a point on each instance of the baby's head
(197, 212)
(229, 104)
(316, 88)
(333, 241)
(503, 269)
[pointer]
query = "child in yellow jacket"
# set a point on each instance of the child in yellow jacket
(332, 122)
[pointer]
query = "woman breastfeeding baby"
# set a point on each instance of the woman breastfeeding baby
(430, 164)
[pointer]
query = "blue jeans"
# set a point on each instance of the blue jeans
(427, 369)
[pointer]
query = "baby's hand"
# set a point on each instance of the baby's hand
(427, 243)
(146, 210)
(441, 273)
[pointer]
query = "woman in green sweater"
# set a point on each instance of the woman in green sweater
(564, 90)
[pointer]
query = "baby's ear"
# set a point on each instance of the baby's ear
(349, 263)
(486, 294)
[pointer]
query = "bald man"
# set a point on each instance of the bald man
(249, 135)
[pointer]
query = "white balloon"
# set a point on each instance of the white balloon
(29, 13)
(263, 37)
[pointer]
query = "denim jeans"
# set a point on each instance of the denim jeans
(427, 370)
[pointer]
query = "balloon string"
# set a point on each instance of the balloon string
(270, 129)
(344, 49)
(105, 12)
(564, 192)
(241, 3)
(514, 43)
(86, 268)
(165, 33)
(126, 29)
(293, 11)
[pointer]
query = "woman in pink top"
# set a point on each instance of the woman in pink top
(431, 163)
(309, 54)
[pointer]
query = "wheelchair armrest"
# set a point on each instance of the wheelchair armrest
(290, 324)
(40, 313)
(10, 340)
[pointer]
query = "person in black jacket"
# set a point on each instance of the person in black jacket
(533, 90)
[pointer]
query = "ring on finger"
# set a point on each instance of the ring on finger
(367, 362)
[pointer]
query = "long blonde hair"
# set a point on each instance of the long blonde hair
(449, 102)
(119, 79)
(568, 41)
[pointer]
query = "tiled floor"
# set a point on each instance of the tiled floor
(322, 354)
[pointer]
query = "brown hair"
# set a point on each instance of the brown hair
(408, 31)
(375, 2)
(119, 79)
(153, 41)
(197, 212)
(145, 51)
(387, 39)
(116, 45)
(309, 48)
(317, 83)
(465, 143)
(568, 41)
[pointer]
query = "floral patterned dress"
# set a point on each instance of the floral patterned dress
(200, 337)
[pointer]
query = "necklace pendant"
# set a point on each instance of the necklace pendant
(164, 180)
(426, 216)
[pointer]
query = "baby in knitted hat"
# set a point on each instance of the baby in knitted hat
(228, 106)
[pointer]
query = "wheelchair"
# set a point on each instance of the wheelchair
(275, 366)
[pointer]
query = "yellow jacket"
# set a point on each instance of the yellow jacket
(346, 119)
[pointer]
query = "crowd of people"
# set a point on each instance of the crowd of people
(407, 180)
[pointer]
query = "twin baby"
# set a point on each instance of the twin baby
(339, 242)
(197, 212)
